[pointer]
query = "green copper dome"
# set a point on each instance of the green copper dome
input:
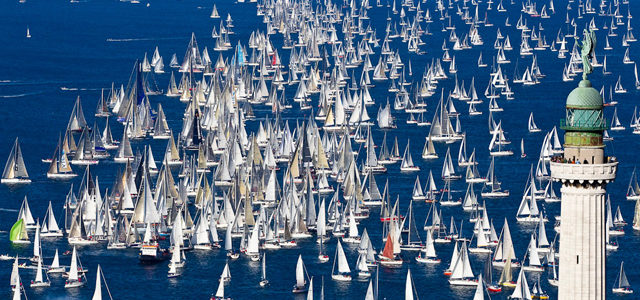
(584, 97)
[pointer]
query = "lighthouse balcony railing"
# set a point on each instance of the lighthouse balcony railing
(578, 125)
(563, 170)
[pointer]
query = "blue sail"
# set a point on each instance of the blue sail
(139, 86)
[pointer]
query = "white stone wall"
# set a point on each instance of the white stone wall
(582, 242)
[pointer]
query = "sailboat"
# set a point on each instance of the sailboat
(413, 241)
(427, 254)
(362, 267)
(214, 13)
(505, 253)
(409, 289)
(37, 244)
(219, 295)
(15, 282)
(60, 167)
(226, 274)
(534, 264)
(263, 280)
(429, 150)
(621, 285)
(461, 273)
(28, 33)
(407, 162)
(521, 290)
(388, 256)
(301, 277)
(615, 122)
(448, 170)
(618, 87)
(532, 124)
(344, 271)
(15, 172)
(55, 265)
(480, 290)
(75, 277)
(40, 281)
(175, 263)
(18, 233)
(528, 210)
(97, 293)
(498, 139)
(486, 277)
(537, 292)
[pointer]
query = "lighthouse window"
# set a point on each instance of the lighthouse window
(577, 259)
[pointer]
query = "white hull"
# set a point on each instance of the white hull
(351, 240)
(56, 270)
(501, 153)
(480, 250)
(364, 274)
(202, 247)
(40, 284)
(341, 277)
(74, 284)
(15, 180)
(122, 159)
(76, 241)
(495, 194)
(428, 260)
(622, 291)
(289, 244)
(410, 169)
(301, 235)
(530, 219)
(533, 268)
(476, 180)
(463, 282)
(390, 263)
(61, 175)
(411, 247)
(271, 246)
(84, 162)
(117, 246)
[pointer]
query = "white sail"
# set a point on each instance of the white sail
(408, 287)
(522, 290)
(343, 265)
(73, 270)
(97, 293)
(300, 276)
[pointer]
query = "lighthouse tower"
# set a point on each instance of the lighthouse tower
(584, 172)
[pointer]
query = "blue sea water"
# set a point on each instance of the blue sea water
(78, 48)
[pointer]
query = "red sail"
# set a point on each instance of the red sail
(388, 248)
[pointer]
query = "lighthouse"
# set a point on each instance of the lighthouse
(584, 171)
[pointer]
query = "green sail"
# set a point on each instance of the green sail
(16, 230)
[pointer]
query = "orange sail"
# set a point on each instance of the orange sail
(388, 248)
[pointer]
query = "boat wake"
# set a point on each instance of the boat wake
(115, 40)
(18, 96)
(64, 88)
(9, 210)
